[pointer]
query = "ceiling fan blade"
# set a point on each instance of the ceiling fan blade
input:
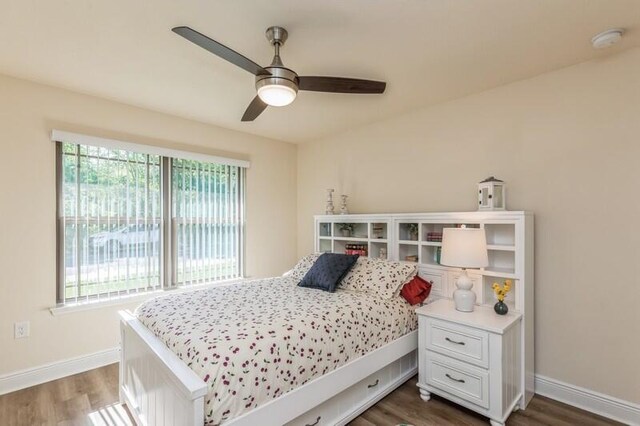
(220, 50)
(340, 85)
(254, 109)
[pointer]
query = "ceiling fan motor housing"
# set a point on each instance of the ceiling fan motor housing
(280, 76)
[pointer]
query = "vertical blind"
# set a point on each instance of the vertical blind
(207, 218)
(122, 224)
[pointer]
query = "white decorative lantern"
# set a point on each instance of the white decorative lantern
(491, 195)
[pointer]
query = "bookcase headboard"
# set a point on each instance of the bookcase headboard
(417, 237)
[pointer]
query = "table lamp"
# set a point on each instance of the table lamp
(464, 248)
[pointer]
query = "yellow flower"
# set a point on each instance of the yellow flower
(502, 290)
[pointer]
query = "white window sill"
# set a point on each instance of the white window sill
(67, 308)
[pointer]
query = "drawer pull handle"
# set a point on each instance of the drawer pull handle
(454, 342)
(455, 380)
(314, 423)
(374, 385)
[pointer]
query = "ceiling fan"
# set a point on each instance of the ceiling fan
(277, 85)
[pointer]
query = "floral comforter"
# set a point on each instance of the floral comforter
(255, 341)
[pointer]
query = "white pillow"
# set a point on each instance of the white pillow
(378, 276)
(302, 267)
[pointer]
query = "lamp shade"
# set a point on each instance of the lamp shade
(464, 248)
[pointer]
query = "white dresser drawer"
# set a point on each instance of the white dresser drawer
(323, 415)
(373, 387)
(458, 341)
(462, 380)
(377, 381)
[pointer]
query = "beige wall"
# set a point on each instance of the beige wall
(28, 112)
(568, 145)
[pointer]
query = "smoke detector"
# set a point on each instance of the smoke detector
(607, 38)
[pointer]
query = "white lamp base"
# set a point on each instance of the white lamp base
(464, 297)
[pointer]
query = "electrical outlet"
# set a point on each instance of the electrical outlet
(21, 330)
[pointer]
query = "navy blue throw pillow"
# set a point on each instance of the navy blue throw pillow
(327, 272)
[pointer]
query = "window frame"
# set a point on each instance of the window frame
(168, 248)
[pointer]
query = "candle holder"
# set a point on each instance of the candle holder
(329, 209)
(343, 206)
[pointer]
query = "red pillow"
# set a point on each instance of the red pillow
(416, 290)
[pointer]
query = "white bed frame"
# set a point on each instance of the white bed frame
(159, 388)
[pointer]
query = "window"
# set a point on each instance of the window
(206, 221)
(133, 221)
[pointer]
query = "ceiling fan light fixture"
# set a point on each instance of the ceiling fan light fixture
(277, 93)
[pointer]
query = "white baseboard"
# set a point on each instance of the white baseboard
(595, 402)
(56, 370)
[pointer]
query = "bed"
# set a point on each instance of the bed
(264, 352)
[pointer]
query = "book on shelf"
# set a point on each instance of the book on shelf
(359, 249)
(435, 237)
(437, 255)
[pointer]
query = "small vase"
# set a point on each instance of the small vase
(346, 233)
(501, 308)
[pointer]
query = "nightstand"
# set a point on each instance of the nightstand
(471, 358)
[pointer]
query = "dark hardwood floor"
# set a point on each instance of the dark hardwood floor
(405, 406)
(91, 398)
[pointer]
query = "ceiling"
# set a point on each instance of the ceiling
(428, 51)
